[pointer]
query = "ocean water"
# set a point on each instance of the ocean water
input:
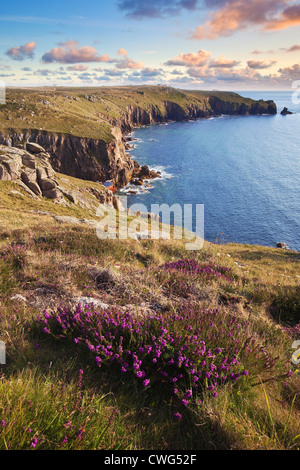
(244, 169)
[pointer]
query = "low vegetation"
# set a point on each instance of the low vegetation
(140, 344)
(90, 112)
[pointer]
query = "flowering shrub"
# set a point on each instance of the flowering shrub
(181, 277)
(14, 255)
(187, 352)
(208, 270)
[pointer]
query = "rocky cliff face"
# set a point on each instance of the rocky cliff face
(84, 158)
(136, 116)
(221, 106)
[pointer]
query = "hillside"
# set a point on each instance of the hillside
(194, 349)
(90, 112)
(131, 344)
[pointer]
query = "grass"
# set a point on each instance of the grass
(90, 112)
(46, 402)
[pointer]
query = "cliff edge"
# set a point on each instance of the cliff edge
(83, 129)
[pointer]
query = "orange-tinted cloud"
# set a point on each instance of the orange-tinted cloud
(22, 52)
(122, 52)
(70, 53)
(289, 17)
(128, 63)
(235, 15)
(196, 59)
(224, 63)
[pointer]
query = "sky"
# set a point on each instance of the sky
(188, 44)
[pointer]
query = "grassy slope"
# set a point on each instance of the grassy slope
(44, 401)
(42, 394)
(70, 112)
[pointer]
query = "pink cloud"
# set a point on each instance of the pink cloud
(224, 63)
(294, 48)
(122, 52)
(289, 17)
(261, 64)
(196, 59)
(70, 53)
(22, 52)
(127, 62)
(235, 15)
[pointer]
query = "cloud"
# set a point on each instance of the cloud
(196, 59)
(236, 15)
(139, 9)
(150, 72)
(290, 73)
(126, 62)
(70, 53)
(122, 52)
(221, 75)
(22, 52)
(78, 68)
(261, 64)
(289, 17)
(294, 48)
(257, 52)
(113, 73)
(224, 63)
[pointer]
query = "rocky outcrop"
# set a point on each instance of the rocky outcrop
(84, 158)
(285, 112)
(35, 174)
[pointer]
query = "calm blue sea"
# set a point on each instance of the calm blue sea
(244, 169)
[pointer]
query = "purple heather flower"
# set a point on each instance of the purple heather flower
(177, 415)
(140, 374)
(34, 442)
(146, 382)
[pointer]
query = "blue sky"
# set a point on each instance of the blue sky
(196, 44)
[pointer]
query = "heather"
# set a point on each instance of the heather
(185, 352)
(171, 352)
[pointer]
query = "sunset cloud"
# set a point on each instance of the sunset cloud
(261, 64)
(22, 52)
(197, 59)
(290, 73)
(294, 48)
(289, 17)
(224, 63)
(70, 53)
(236, 15)
(126, 62)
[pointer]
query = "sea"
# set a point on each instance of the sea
(245, 170)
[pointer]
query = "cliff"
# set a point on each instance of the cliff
(83, 129)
